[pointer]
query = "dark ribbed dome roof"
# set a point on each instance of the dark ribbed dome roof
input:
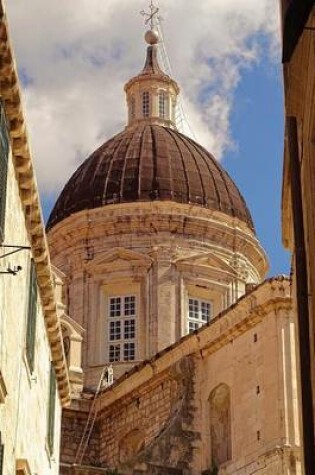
(150, 163)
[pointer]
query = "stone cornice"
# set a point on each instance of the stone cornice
(22, 161)
(271, 295)
(185, 220)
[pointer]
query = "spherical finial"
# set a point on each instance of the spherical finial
(151, 37)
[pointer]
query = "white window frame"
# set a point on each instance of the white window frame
(162, 104)
(146, 104)
(199, 312)
(122, 316)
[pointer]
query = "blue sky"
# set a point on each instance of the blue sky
(256, 165)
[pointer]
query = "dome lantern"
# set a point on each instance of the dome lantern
(152, 94)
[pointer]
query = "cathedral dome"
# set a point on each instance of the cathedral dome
(150, 162)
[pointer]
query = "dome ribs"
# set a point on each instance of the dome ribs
(111, 193)
(197, 177)
(163, 168)
(148, 163)
(129, 183)
(181, 187)
(142, 165)
(191, 172)
(212, 197)
(179, 190)
(101, 170)
(155, 184)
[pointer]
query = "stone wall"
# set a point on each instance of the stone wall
(24, 409)
(73, 425)
(223, 397)
(152, 426)
(149, 431)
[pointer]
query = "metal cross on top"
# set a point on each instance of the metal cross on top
(150, 17)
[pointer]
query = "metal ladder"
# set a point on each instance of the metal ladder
(106, 379)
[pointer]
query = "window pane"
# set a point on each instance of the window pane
(129, 351)
(122, 328)
(199, 312)
(114, 307)
(130, 329)
(114, 353)
(162, 103)
(205, 311)
(114, 331)
(193, 326)
(130, 305)
(193, 308)
(133, 108)
(146, 104)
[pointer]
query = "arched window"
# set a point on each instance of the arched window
(146, 104)
(162, 104)
(220, 425)
(132, 108)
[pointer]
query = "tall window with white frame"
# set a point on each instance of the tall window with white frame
(199, 313)
(146, 104)
(122, 316)
(162, 104)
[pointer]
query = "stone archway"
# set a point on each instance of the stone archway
(220, 424)
(130, 445)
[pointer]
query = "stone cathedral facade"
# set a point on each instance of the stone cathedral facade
(164, 284)
(181, 356)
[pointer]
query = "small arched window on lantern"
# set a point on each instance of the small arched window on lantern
(162, 104)
(146, 104)
(132, 108)
(174, 110)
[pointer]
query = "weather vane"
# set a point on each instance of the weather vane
(150, 17)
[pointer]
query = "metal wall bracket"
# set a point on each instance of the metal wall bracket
(14, 249)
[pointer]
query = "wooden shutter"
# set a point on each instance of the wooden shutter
(4, 152)
(51, 409)
(31, 318)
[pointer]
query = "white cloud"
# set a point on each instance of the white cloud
(76, 55)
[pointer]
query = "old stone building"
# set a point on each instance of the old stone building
(155, 331)
(163, 284)
(298, 190)
(34, 381)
